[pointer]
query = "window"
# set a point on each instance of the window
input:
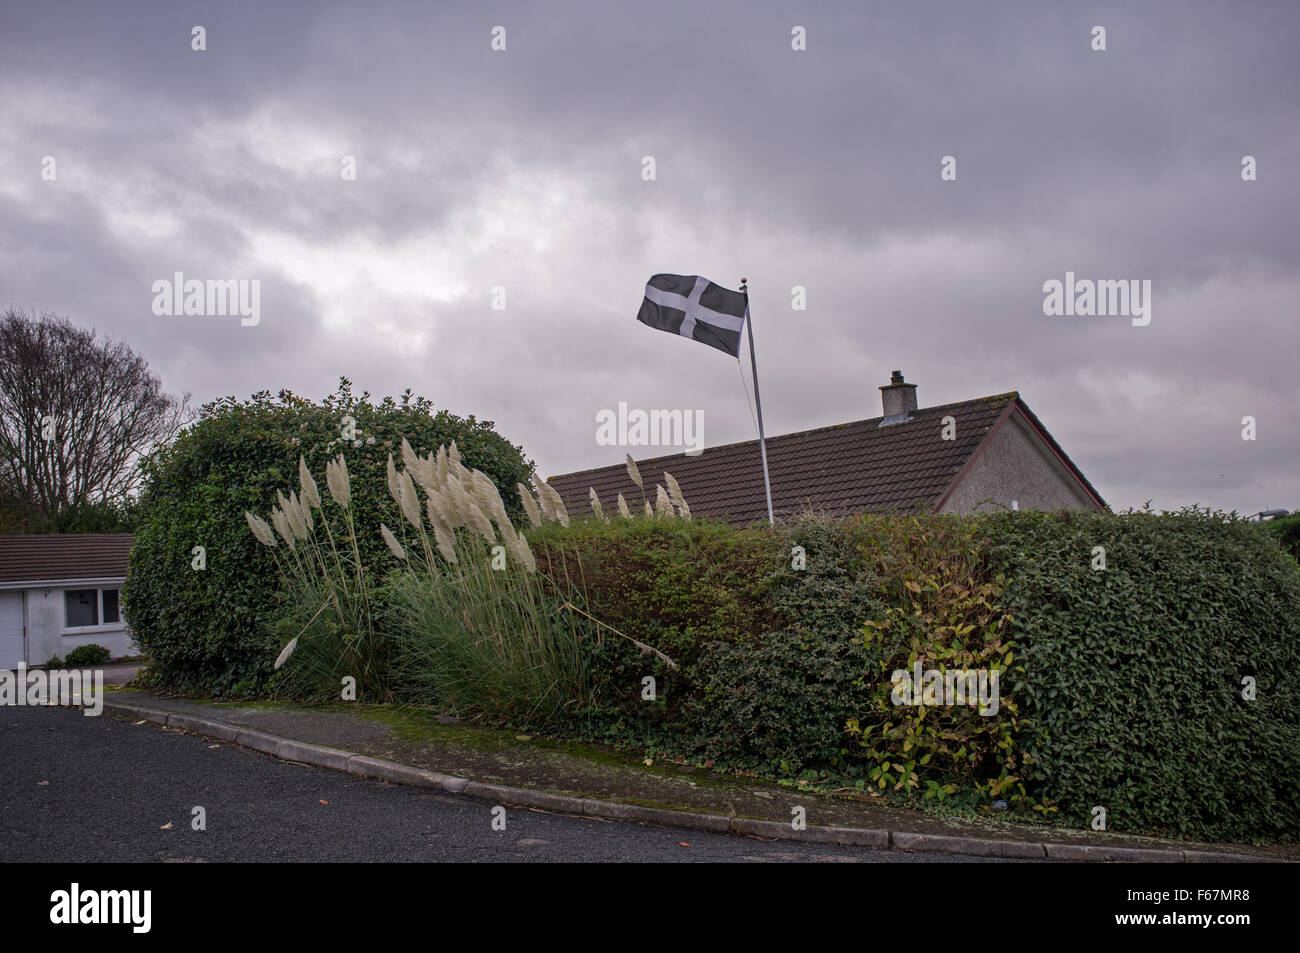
(91, 608)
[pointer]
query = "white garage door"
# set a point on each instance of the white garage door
(11, 629)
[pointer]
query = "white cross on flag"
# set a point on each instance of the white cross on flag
(695, 308)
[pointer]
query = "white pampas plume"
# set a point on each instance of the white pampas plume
(281, 525)
(446, 544)
(310, 495)
(530, 564)
(286, 652)
(485, 492)
(595, 504)
(304, 514)
(455, 503)
(530, 505)
(623, 511)
(410, 500)
(663, 505)
(392, 542)
(634, 473)
(408, 455)
(453, 456)
(441, 465)
(336, 478)
(291, 516)
(557, 510)
(544, 500)
(260, 529)
(433, 506)
(675, 493)
(477, 520)
(649, 510)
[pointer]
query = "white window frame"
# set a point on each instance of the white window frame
(99, 602)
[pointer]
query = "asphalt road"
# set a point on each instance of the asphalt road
(77, 789)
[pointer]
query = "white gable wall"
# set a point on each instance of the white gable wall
(1018, 465)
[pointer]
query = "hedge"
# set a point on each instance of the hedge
(209, 630)
(1122, 686)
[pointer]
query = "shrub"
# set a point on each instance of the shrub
(86, 655)
(1286, 530)
(1134, 674)
(778, 700)
(669, 583)
(944, 620)
(213, 630)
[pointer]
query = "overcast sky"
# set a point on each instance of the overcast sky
(820, 168)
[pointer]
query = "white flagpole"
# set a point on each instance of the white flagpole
(758, 401)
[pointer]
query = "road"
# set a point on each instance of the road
(77, 789)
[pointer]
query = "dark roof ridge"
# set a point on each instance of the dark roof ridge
(1007, 397)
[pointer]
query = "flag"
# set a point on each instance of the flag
(695, 308)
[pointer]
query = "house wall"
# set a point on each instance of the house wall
(1017, 465)
(45, 625)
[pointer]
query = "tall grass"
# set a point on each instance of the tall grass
(467, 625)
(328, 593)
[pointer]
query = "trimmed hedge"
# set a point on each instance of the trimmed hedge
(210, 630)
(1134, 674)
(1125, 691)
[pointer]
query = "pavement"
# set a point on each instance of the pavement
(78, 790)
(417, 748)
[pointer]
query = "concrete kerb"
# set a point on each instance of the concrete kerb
(364, 766)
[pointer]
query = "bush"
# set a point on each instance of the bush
(1134, 674)
(778, 700)
(1286, 530)
(212, 630)
(944, 618)
(86, 655)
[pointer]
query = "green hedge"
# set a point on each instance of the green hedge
(1133, 674)
(1125, 691)
(210, 630)
(1286, 530)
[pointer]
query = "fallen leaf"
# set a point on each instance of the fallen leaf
(648, 761)
(684, 843)
(708, 763)
(166, 827)
(44, 784)
(140, 722)
(213, 746)
(523, 737)
(324, 801)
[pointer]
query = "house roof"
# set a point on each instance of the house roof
(841, 469)
(64, 558)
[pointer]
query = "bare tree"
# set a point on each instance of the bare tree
(76, 414)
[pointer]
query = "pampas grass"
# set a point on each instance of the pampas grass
(663, 505)
(530, 505)
(336, 478)
(595, 505)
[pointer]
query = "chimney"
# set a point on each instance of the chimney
(899, 400)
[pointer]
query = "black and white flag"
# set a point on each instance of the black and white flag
(695, 308)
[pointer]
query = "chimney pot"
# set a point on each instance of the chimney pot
(899, 400)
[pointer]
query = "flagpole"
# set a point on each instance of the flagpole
(758, 401)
